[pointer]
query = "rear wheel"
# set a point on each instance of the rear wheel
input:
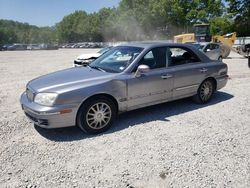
(205, 92)
(96, 115)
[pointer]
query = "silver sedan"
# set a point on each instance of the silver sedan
(212, 50)
(125, 78)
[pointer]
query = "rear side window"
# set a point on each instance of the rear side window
(180, 56)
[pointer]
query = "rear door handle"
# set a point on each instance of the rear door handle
(166, 76)
(203, 70)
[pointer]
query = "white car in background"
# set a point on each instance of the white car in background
(87, 58)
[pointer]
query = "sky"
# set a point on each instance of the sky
(48, 12)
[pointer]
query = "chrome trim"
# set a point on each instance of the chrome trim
(203, 70)
(186, 87)
(221, 79)
(166, 76)
(39, 113)
(49, 113)
(146, 95)
(29, 110)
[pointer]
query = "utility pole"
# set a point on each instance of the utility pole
(248, 60)
(248, 52)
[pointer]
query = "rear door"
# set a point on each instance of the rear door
(188, 71)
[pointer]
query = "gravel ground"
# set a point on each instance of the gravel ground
(177, 144)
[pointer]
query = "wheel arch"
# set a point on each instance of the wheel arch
(112, 98)
(213, 80)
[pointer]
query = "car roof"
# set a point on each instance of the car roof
(205, 43)
(155, 44)
(149, 45)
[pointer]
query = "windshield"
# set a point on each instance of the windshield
(201, 31)
(117, 59)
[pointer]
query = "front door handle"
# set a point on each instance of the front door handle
(203, 70)
(166, 76)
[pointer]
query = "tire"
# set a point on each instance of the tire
(96, 115)
(205, 92)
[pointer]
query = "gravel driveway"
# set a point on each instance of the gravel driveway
(177, 144)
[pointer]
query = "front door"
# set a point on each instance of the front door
(154, 86)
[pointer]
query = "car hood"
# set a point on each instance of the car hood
(60, 80)
(88, 56)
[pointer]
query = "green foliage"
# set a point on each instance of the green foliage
(239, 11)
(15, 32)
(220, 25)
(136, 20)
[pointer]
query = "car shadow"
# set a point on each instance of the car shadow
(157, 112)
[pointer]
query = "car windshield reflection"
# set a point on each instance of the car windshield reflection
(117, 59)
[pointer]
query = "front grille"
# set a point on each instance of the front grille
(30, 94)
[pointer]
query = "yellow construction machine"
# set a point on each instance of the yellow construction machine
(202, 34)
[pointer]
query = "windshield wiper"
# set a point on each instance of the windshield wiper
(85, 65)
(97, 68)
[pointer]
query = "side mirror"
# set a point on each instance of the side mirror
(141, 70)
(208, 50)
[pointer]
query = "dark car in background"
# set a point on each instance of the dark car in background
(17, 47)
(244, 49)
(5, 46)
(1, 48)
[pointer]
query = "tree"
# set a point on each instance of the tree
(240, 12)
(68, 29)
(221, 25)
(136, 20)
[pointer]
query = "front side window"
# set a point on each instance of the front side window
(155, 58)
(180, 56)
(117, 59)
(208, 48)
(215, 46)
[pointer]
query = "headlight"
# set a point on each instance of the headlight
(46, 99)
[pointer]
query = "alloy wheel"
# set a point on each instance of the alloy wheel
(98, 115)
(206, 91)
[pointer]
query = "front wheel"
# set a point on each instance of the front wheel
(205, 92)
(96, 115)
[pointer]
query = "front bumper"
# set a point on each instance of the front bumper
(49, 117)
